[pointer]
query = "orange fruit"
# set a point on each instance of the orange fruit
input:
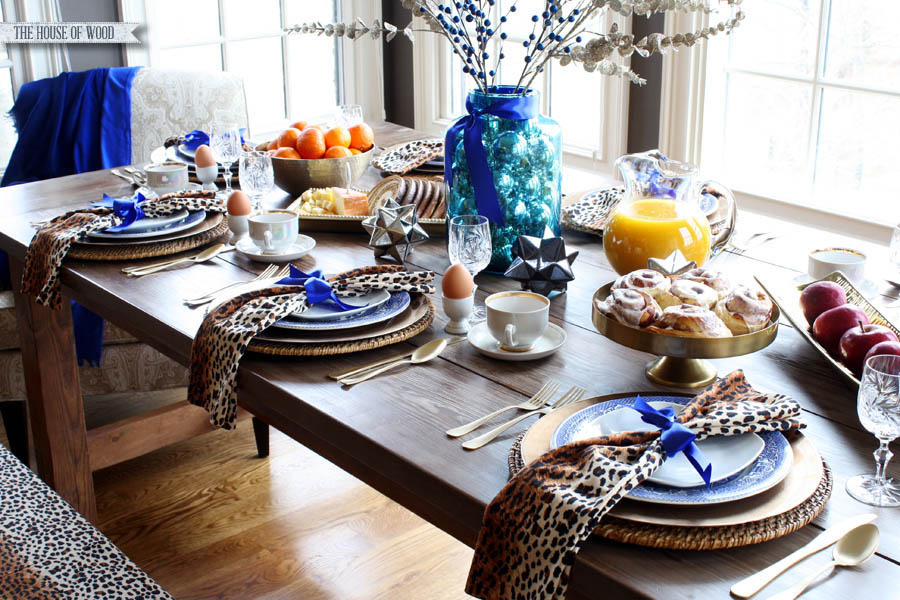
(272, 145)
(320, 128)
(301, 125)
(337, 136)
(286, 153)
(362, 137)
(288, 138)
(338, 152)
(311, 143)
(354, 151)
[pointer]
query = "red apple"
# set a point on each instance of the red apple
(857, 341)
(819, 297)
(880, 348)
(831, 325)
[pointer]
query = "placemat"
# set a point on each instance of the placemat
(346, 347)
(113, 252)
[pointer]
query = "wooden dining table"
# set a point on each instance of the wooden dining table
(389, 431)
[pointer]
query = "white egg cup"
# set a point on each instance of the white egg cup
(458, 310)
(207, 176)
(239, 225)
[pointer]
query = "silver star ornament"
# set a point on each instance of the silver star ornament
(394, 230)
(542, 264)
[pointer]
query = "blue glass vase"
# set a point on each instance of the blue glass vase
(525, 158)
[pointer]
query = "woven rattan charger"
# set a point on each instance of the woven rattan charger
(792, 504)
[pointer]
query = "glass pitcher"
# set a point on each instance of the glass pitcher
(661, 212)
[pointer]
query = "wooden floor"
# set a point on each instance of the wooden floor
(207, 519)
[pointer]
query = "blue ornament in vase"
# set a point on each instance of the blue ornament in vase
(506, 165)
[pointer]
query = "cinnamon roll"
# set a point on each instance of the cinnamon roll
(745, 310)
(646, 280)
(714, 279)
(690, 321)
(630, 307)
(685, 291)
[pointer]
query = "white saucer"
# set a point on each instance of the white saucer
(301, 248)
(554, 337)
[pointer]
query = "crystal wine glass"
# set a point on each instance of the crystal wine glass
(469, 243)
(348, 115)
(256, 175)
(878, 406)
(225, 143)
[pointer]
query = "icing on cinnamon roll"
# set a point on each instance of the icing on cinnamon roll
(630, 307)
(690, 321)
(646, 280)
(714, 279)
(685, 291)
(745, 310)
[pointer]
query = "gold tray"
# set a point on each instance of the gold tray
(353, 224)
(681, 359)
(790, 307)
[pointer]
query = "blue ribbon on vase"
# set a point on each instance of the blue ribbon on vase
(317, 289)
(675, 437)
(517, 108)
(198, 137)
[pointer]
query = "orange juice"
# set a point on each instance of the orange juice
(649, 228)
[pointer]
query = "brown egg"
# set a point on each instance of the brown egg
(203, 156)
(239, 204)
(457, 282)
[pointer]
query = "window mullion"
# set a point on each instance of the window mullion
(815, 116)
(285, 62)
(222, 48)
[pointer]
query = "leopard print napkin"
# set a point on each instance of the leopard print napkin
(226, 332)
(52, 241)
(533, 529)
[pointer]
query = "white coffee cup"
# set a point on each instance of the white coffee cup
(167, 177)
(851, 263)
(274, 231)
(517, 319)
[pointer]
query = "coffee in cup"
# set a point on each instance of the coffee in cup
(517, 319)
(167, 177)
(274, 231)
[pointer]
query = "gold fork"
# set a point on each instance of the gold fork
(272, 271)
(573, 395)
(535, 402)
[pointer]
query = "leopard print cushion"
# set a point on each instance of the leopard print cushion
(52, 241)
(49, 551)
(532, 530)
(591, 212)
(402, 159)
(226, 332)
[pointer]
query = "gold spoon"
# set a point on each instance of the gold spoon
(422, 354)
(204, 256)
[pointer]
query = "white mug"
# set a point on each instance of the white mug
(167, 177)
(517, 319)
(851, 263)
(274, 231)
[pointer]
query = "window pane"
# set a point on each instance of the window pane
(577, 104)
(778, 36)
(244, 18)
(304, 11)
(765, 133)
(192, 58)
(259, 63)
(3, 53)
(854, 164)
(312, 77)
(7, 131)
(180, 22)
(863, 46)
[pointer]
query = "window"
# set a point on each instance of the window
(8, 88)
(802, 104)
(589, 107)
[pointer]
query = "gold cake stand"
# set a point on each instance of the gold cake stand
(682, 360)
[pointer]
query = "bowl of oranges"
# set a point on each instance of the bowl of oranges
(308, 156)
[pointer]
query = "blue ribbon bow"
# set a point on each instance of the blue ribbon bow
(127, 209)
(197, 138)
(518, 108)
(317, 289)
(675, 436)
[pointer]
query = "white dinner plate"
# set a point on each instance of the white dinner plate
(328, 311)
(185, 223)
(299, 249)
(398, 303)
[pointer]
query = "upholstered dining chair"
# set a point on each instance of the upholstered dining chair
(164, 103)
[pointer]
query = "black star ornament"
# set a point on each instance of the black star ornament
(541, 264)
(394, 230)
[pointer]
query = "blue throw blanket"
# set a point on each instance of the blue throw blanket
(70, 124)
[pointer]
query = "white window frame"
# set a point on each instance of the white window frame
(681, 128)
(358, 83)
(432, 71)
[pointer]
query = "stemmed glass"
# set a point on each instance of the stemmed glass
(878, 406)
(225, 143)
(256, 175)
(469, 243)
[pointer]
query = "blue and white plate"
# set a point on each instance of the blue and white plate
(165, 226)
(737, 477)
(398, 302)
(329, 311)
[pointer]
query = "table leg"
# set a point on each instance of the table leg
(261, 433)
(55, 409)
